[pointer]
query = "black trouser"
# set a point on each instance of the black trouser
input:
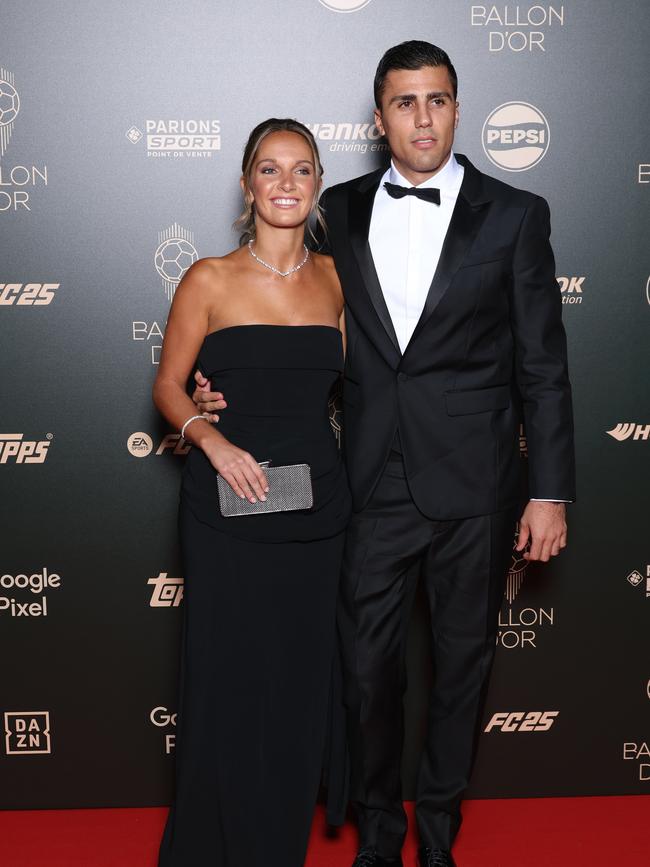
(463, 564)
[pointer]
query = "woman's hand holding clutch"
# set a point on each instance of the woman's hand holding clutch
(238, 468)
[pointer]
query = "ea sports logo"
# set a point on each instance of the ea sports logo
(516, 136)
(9, 102)
(344, 5)
(139, 444)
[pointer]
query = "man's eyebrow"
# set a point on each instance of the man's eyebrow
(434, 94)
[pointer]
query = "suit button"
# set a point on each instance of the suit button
(402, 377)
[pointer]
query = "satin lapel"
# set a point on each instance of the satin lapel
(466, 221)
(360, 212)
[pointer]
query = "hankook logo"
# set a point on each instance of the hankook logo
(515, 136)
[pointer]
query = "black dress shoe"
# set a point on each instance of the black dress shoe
(368, 857)
(435, 857)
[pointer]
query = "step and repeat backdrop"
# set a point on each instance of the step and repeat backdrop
(121, 133)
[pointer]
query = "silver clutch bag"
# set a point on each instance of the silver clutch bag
(289, 489)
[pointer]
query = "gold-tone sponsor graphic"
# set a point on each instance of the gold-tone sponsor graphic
(37, 584)
(167, 591)
(517, 27)
(174, 255)
(344, 5)
(638, 752)
(516, 136)
(140, 445)
(27, 294)
(348, 137)
(636, 579)
(15, 449)
(165, 719)
(630, 430)
(15, 181)
(27, 733)
(519, 626)
(178, 139)
(571, 289)
(9, 108)
(522, 721)
(523, 442)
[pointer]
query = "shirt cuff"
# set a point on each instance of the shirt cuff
(545, 500)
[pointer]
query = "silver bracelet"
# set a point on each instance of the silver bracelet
(190, 419)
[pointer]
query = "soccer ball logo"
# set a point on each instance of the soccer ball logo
(9, 103)
(173, 257)
(518, 564)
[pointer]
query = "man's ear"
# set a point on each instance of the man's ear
(457, 117)
(378, 122)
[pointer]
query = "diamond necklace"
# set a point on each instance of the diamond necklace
(272, 267)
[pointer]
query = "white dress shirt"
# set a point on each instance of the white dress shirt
(406, 237)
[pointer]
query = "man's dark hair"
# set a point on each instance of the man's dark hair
(414, 54)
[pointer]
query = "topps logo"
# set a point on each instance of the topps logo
(27, 294)
(167, 592)
(522, 721)
(23, 451)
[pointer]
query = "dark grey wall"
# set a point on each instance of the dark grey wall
(89, 493)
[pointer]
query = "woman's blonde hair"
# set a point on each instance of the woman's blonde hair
(245, 222)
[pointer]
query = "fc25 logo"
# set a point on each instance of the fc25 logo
(522, 721)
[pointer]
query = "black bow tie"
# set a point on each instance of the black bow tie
(427, 194)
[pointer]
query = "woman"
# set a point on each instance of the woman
(266, 321)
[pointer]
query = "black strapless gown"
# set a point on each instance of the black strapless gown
(260, 594)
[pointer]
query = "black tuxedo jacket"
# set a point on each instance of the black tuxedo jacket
(489, 350)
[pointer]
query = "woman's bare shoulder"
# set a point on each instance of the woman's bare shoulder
(209, 274)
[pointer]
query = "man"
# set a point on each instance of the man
(454, 334)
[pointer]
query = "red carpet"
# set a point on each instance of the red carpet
(545, 832)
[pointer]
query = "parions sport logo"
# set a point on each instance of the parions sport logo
(516, 136)
(174, 254)
(27, 294)
(344, 5)
(178, 139)
(15, 449)
(636, 579)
